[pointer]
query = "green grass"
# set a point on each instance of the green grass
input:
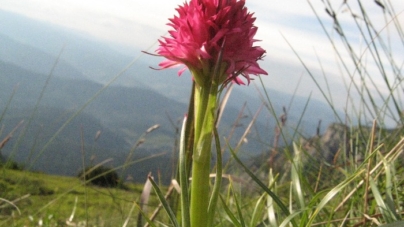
(52, 199)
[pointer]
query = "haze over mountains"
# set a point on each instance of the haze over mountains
(138, 99)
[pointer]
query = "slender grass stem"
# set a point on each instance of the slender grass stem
(183, 175)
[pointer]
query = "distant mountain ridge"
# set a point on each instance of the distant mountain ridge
(121, 114)
(116, 106)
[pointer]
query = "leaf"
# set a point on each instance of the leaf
(218, 180)
(296, 169)
(331, 194)
(388, 215)
(183, 172)
(164, 202)
(262, 185)
(259, 206)
(150, 222)
(270, 204)
(233, 219)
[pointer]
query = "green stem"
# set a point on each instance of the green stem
(205, 109)
(199, 194)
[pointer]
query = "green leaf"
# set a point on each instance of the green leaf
(270, 203)
(240, 214)
(389, 168)
(259, 206)
(263, 186)
(388, 215)
(233, 218)
(164, 202)
(218, 180)
(186, 221)
(287, 220)
(150, 222)
(331, 194)
(296, 170)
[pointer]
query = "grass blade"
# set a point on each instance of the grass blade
(270, 203)
(296, 170)
(240, 214)
(331, 194)
(144, 200)
(388, 214)
(259, 206)
(149, 222)
(233, 218)
(164, 202)
(218, 180)
(262, 185)
(183, 170)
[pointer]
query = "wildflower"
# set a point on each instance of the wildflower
(214, 39)
(213, 33)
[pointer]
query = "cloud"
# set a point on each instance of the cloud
(138, 24)
(298, 24)
(132, 23)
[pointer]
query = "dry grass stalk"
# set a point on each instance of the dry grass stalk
(8, 137)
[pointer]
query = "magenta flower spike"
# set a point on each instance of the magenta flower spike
(197, 36)
(214, 39)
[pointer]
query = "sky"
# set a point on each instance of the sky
(288, 30)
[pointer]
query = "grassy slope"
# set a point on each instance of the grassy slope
(52, 199)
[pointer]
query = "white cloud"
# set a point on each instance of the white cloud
(133, 23)
(139, 24)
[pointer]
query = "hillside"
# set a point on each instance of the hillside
(121, 114)
(53, 200)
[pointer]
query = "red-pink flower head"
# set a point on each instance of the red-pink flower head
(213, 35)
